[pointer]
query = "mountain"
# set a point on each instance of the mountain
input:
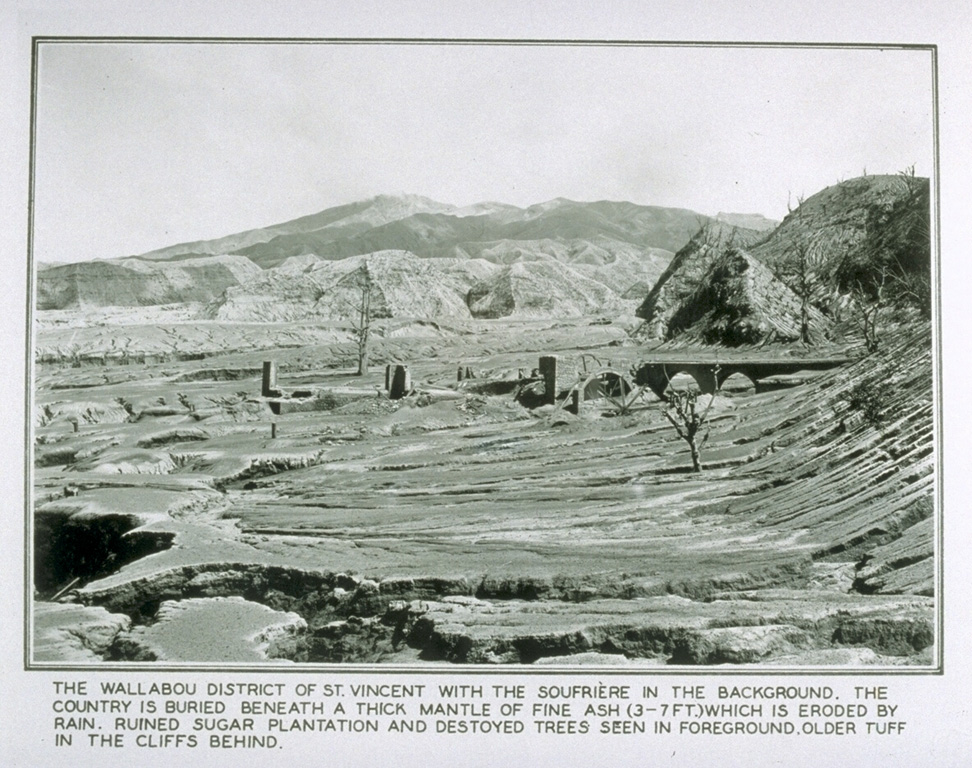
(556, 258)
(341, 221)
(755, 221)
(444, 233)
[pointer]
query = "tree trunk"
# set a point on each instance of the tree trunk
(363, 360)
(805, 321)
(694, 448)
(364, 324)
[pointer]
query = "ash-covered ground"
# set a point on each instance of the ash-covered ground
(468, 522)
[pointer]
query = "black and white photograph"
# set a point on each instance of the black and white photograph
(483, 354)
(587, 387)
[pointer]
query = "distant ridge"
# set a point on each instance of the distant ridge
(556, 258)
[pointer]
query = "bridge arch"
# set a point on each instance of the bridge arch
(736, 379)
(658, 376)
(710, 374)
(605, 383)
(677, 377)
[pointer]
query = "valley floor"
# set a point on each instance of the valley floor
(457, 525)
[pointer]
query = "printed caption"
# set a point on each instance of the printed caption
(111, 714)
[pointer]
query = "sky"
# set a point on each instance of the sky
(143, 145)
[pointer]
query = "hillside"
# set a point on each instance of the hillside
(434, 234)
(739, 301)
(133, 283)
(861, 243)
(403, 286)
(684, 273)
(340, 221)
(856, 228)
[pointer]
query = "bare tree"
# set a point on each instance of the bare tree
(913, 287)
(797, 270)
(682, 411)
(870, 309)
(361, 317)
(912, 184)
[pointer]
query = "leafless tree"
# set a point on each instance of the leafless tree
(797, 270)
(361, 316)
(682, 411)
(912, 184)
(913, 287)
(870, 307)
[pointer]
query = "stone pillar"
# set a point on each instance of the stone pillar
(273, 430)
(459, 373)
(388, 377)
(576, 398)
(548, 370)
(269, 378)
(401, 383)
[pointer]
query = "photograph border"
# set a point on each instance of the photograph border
(938, 667)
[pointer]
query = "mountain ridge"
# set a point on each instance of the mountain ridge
(560, 256)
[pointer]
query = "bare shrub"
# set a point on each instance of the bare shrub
(682, 411)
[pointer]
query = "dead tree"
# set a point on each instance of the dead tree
(912, 184)
(797, 270)
(361, 317)
(870, 309)
(914, 288)
(682, 411)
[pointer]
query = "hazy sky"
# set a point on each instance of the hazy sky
(143, 145)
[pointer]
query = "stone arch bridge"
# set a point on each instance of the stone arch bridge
(711, 374)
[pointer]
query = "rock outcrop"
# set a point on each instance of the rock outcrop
(685, 272)
(866, 238)
(739, 301)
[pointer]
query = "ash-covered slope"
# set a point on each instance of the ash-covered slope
(864, 240)
(619, 266)
(858, 469)
(856, 228)
(685, 272)
(402, 286)
(539, 289)
(739, 301)
(133, 283)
